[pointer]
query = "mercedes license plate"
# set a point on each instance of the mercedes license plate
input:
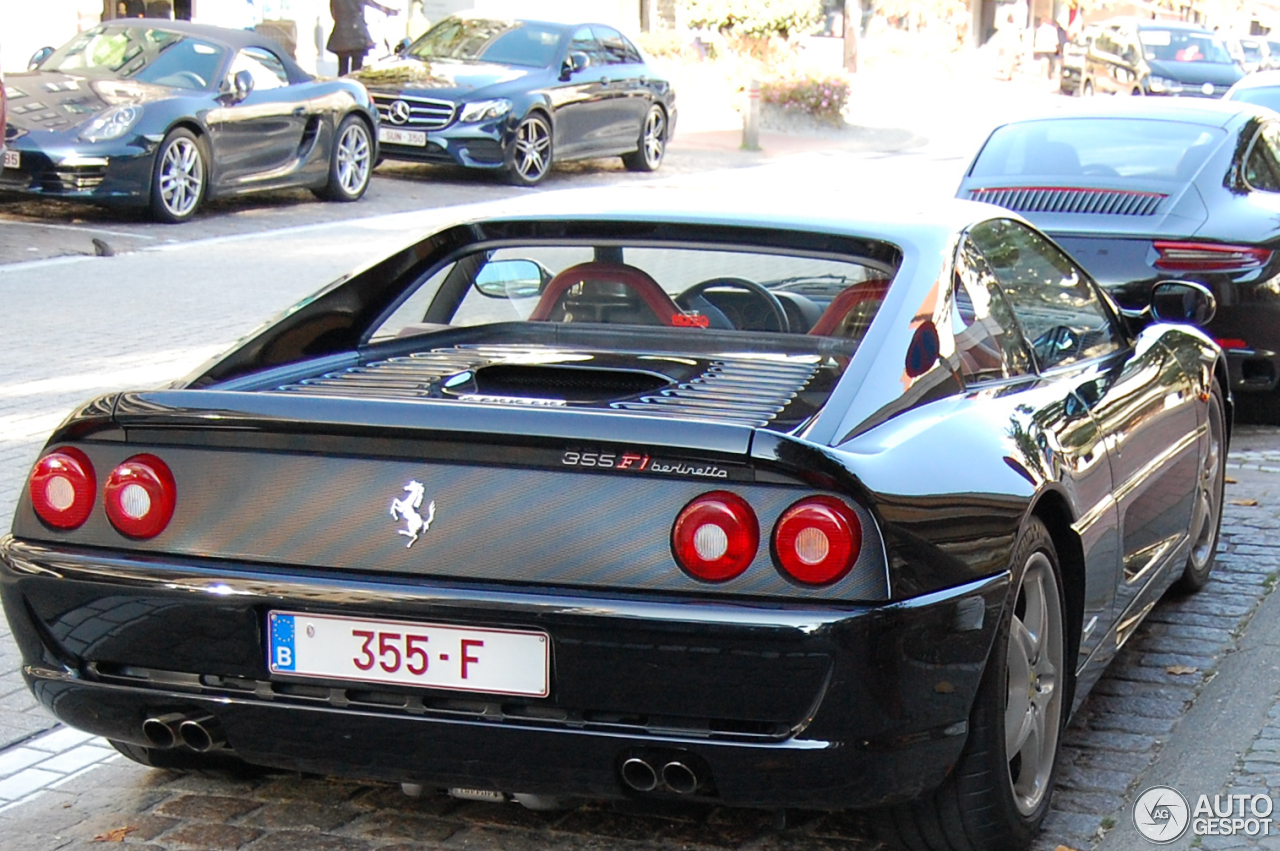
(417, 138)
(12, 159)
(493, 661)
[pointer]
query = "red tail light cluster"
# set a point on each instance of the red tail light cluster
(815, 541)
(62, 488)
(139, 496)
(1208, 257)
(716, 536)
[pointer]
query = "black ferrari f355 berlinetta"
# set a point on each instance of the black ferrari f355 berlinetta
(781, 509)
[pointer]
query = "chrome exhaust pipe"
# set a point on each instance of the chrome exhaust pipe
(639, 775)
(202, 734)
(161, 731)
(679, 778)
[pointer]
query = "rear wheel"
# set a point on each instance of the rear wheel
(652, 143)
(179, 178)
(998, 793)
(529, 156)
(1206, 518)
(350, 162)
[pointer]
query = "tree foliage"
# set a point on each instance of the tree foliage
(754, 18)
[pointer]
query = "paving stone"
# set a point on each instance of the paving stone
(77, 758)
(213, 837)
(25, 782)
(16, 759)
(207, 807)
(302, 814)
(290, 840)
(60, 740)
(408, 827)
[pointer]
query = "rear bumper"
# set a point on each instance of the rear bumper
(780, 704)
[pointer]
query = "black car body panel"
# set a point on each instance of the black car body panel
(595, 111)
(1209, 203)
(556, 455)
(276, 137)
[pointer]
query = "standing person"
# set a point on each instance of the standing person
(1045, 45)
(350, 38)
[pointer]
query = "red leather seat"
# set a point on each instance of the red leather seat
(844, 312)
(551, 306)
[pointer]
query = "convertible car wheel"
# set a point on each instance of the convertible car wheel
(351, 162)
(653, 143)
(1207, 519)
(529, 158)
(178, 180)
(998, 794)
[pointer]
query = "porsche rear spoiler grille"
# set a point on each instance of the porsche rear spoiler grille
(1059, 199)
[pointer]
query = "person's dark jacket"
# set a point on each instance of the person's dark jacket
(350, 33)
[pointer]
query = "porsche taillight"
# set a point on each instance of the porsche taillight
(715, 537)
(140, 496)
(817, 540)
(1208, 257)
(62, 488)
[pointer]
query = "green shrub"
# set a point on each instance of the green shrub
(821, 98)
(754, 18)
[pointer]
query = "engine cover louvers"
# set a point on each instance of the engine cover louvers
(739, 388)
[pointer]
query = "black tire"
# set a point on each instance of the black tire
(529, 154)
(350, 161)
(179, 178)
(652, 144)
(991, 802)
(1206, 517)
(181, 759)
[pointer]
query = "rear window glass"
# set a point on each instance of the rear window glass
(1098, 147)
(1268, 96)
(692, 289)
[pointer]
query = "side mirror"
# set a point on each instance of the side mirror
(1182, 301)
(511, 279)
(573, 63)
(39, 56)
(403, 45)
(241, 86)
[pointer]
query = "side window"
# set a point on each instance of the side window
(1262, 163)
(1061, 314)
(988, 342)
(267, 70)
(615, 49)
(585, 42)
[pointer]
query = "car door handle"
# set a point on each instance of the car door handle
(299, 111)
(604, 81)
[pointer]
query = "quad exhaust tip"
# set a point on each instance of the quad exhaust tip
(161, 731)
(679, 778)
(202, 734)
(639, 775)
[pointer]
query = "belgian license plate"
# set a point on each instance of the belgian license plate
(493, 661)
(417, 138)
(12, 159)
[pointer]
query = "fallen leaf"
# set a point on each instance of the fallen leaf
(1230, 481)
(1178, 670)
(1244, 502)
(1063, 848)
(116, 835)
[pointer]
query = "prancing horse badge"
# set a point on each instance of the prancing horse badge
(406, 508)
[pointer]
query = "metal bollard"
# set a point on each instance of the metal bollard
(751, 118)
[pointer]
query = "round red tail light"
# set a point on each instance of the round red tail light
(140, 496)
(716, 536)
(62, 488)
(817, 540)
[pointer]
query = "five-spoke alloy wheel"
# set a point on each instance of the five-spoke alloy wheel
(652, 142)
(1206, 518)
(529, 155)
(179, 178)
(351, 163)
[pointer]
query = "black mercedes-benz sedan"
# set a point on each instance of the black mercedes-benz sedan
(1150, 191)
(166, 114)
(518, 96)
(695, 501)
